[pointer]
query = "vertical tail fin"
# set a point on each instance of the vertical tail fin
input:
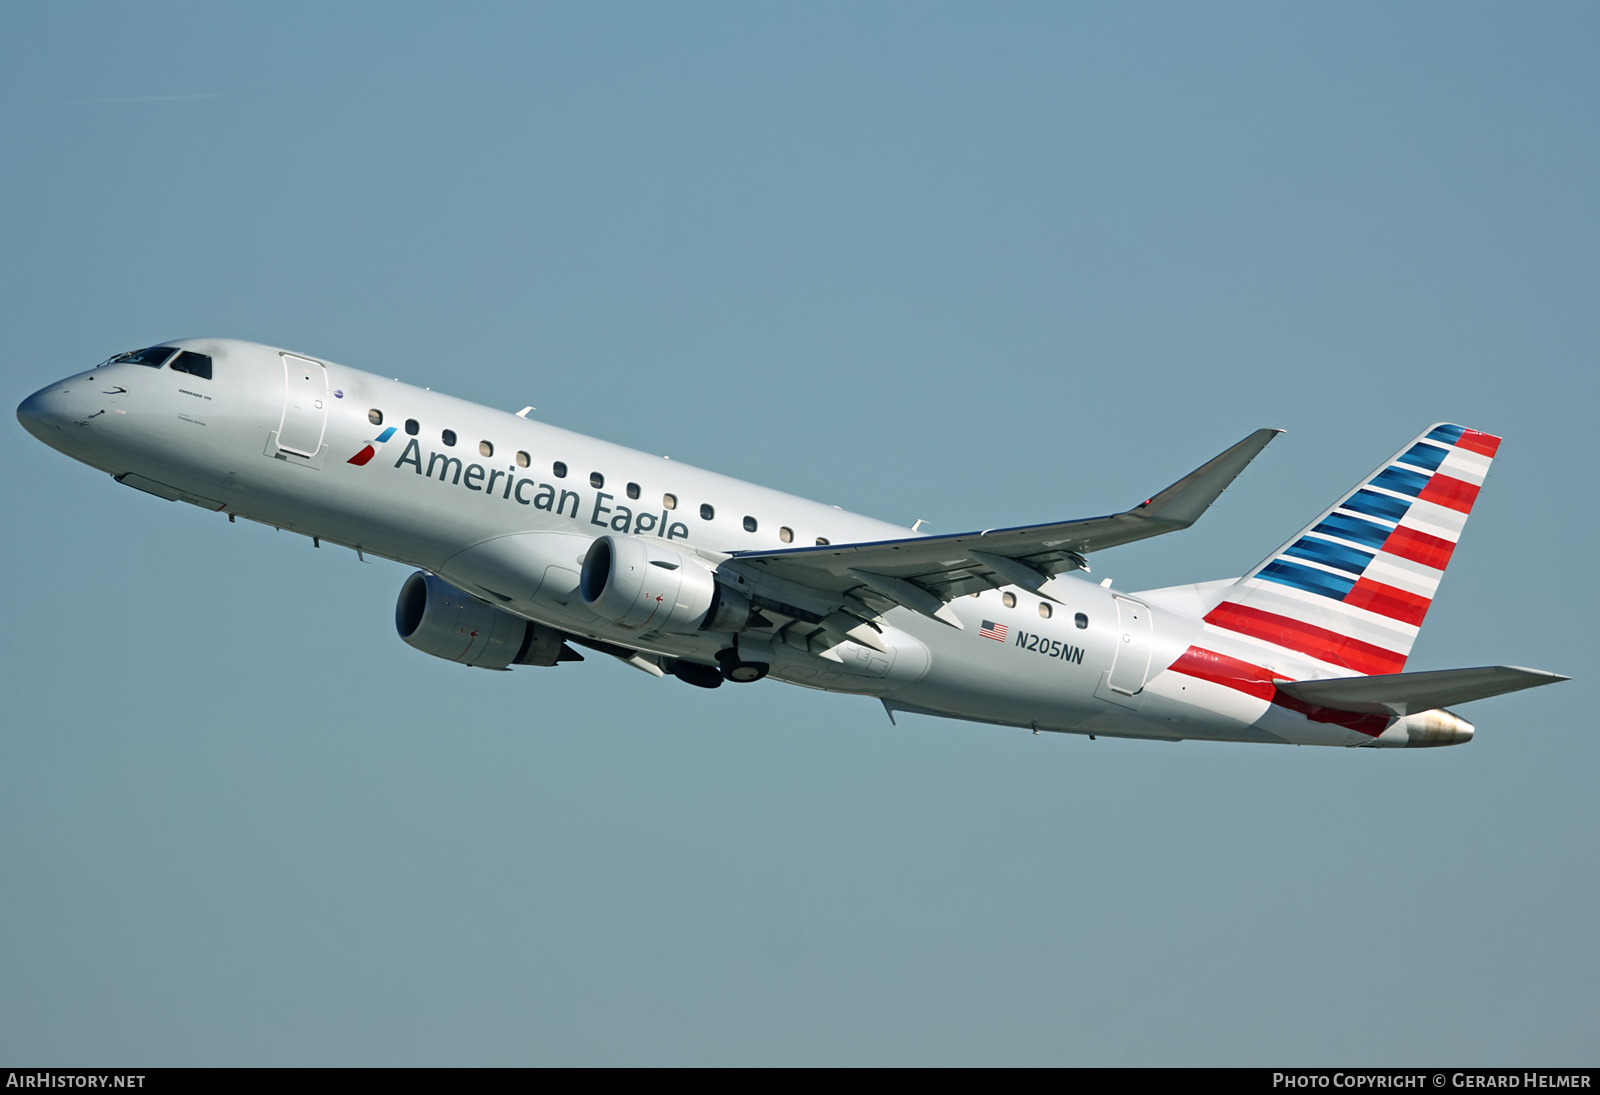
(1351, 589)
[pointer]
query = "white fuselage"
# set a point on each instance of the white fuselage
(508, 510)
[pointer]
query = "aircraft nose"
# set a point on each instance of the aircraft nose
(41, 413)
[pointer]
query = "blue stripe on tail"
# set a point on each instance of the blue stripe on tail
(1350, 527)
(1306, 578)
(1330, 554)
(1425, 456)
(1400, 480)
(1377, 505)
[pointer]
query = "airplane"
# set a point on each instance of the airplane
(531, 543)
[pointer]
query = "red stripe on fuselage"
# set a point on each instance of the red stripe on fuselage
(1208, 665)
(1388, 601)
(360, 458)
(1454, 494)
(1318, 642)
(1255, 680)
(1370, 725)
(1419, 547)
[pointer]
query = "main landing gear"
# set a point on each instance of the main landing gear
(737, 670)
(730, 667)
(701, 676)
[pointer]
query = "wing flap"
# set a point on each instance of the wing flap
(1404, 693)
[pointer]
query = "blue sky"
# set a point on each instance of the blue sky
(979, 265)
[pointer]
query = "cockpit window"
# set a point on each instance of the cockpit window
(153, 356)
(192, 363)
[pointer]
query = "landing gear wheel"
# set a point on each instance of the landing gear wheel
(739, 671)
(744, 672)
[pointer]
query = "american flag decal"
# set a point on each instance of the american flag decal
(992, 630)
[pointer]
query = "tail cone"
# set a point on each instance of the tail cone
(1429, 728)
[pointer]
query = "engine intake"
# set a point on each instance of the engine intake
(436, 618)
(637, 584)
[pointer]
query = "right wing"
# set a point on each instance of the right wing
(923, 572)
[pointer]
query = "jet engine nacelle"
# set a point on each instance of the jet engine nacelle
(437, 618)
(638, 584)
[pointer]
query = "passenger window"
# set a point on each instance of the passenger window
(633, 490)
(669, 501)
(1044, 609)
(596, 480)
(523, 459)
(822, 541)
(449, 438)
(707, 513)
(1081, 620)
(485, 449)
(192, 363)
(375, 416)
(412, 427)
(749, 524)
(786, 534)
(559, 470)
(1010, 599)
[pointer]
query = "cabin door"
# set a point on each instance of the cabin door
(305, 406)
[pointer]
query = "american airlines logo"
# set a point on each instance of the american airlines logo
(368, 452)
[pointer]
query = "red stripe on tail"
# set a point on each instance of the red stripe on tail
(1419, 547)
(1452, 493)
(1388, 601)
(1318, 642)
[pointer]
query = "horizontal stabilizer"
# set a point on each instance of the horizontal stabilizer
(1407, 693)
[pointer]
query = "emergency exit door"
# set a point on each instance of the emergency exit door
(1131, 662)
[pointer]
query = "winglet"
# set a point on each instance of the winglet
(1181, 504)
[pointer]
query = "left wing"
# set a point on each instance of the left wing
(923, 572)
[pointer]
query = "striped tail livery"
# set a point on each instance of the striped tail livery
(1321, 629)
(1349, 592)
